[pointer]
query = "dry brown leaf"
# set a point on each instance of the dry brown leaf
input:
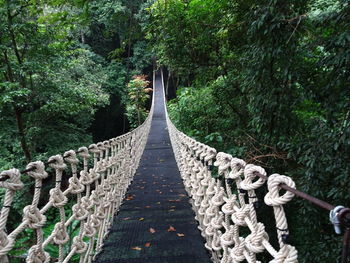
(130, 197)
(147, 206)
(136, 248)
(152, 230)
(148, 244)
(180, 234)
(171, 229)
(141, 218)
(171, 210)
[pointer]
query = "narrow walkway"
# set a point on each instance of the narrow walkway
(156, 222)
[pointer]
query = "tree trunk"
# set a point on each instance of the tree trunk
(20, 127)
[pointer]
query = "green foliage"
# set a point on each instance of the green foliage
(136, 98)
(267, 81)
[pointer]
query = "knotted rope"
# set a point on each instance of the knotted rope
(90, 211)
(226, 204)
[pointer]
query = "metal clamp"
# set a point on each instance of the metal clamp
(333, 217)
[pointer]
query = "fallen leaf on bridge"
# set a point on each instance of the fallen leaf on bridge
(129, 197)
(171, 229)
(148, 244)
(126, 218)
(152, 230)
(141, 218)
(136, 248)
(180, 235)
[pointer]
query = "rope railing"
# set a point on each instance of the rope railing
(225, 203)
(94, 194)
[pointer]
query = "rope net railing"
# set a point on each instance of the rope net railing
(226, 208)
(98, 179)
(223, 194)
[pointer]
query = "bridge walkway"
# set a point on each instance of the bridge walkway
(155, 223)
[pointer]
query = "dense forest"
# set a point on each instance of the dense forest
(266, 81)
(64, 70)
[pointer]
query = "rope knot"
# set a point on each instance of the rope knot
(287, 254)
(57, 162)
(223, 161)
(75, 186)
(239, 216)
(79, 245)
(218, 198)
(210, 154)
(107, 186)
(102, 166)
(34, 218)
(100, 213)
(101, 146)
(36, 254)
(237, 168)
(227, 239)
(254, 241)
(57, 198)
(86, 203)
(230, 203)
(249, 175)
(211, 189)
(217, 221)
(84, 152)
(216, 244)
(85, 178)
(38, 170)
(95, 221)
(94, 198)
(14, 182)
(71, 157)
(94, 175)
(209, 231)
(89, 229)
(272, 198)
(94, 149)
(237, 252)
(107, 144)
(60, 236)
(79, 212)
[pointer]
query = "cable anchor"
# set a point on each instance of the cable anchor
(333, 217)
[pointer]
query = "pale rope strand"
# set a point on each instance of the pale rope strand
(32, 216)
(11, 185)
(286, 253)
(59, 200)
